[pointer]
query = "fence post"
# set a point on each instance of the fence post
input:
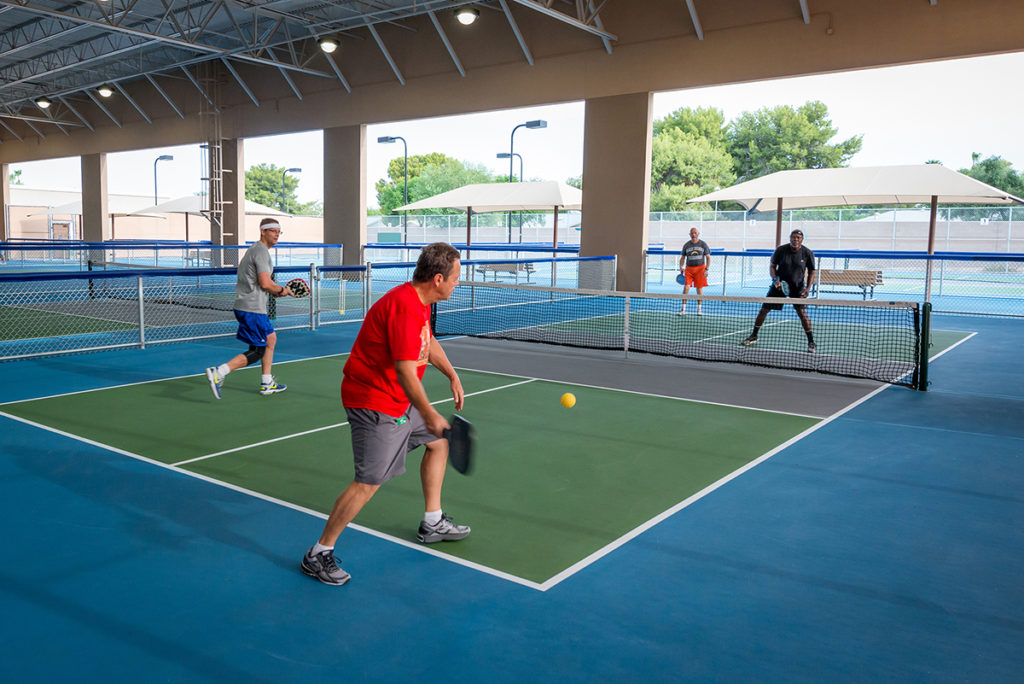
(142, 314)
(312, 299)
(625, 329)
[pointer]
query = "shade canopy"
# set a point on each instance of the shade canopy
(116, 206)
(914, 184)
(196, 205)
(484, 197)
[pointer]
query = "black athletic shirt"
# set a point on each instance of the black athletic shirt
(793, 266)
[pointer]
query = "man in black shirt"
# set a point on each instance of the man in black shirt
(792, 271)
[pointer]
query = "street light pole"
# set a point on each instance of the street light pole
(285, 172)
(405, 195)
(162, 157)
(505, 155)
(537, 123)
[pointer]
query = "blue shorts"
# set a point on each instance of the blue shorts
(253, 328)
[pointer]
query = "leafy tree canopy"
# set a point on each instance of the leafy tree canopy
(575, 181)
(15, 177)
(997, 172)
(703, 122)
(429, 175)
(782, 138)
(270, 186)
(685, 165)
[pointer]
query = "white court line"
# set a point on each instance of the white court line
(326, 427)
(637, 531)
(147, 382)
(286, 504)
(644, 394)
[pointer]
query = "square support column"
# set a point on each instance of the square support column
(345, 192)
(5, 202)
(616, 183)
(95, 214)
(233, 194)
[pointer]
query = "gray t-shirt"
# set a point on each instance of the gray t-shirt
(249, 296)
(696, 253)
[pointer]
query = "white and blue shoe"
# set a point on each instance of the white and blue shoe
(272, 387)
(216, 382)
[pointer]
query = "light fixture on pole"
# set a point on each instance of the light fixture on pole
(43, 103)
(405, 214)
(536, 123)
(506, 155)
(162, 157)
(105, 91)
(284, 173)
(467, 15)
(329, 44)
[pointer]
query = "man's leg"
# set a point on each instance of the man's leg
(805, 321)
(686, 290)
(436, 526)
(700, 304)
(267, 383)
(758, 322)
(319, 561)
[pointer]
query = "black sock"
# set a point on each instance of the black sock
(810, 337)
(756, 328)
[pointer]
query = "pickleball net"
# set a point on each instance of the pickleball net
(862, 339)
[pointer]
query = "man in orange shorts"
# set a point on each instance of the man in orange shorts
(694, 263)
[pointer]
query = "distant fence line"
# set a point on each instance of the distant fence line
(958, 229)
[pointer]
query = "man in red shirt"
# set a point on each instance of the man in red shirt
(388, 409)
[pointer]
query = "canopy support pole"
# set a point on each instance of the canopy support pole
(931, 249)
(554, 239)
(778, 223)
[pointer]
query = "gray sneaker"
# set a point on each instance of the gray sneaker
(323, 567)
(749, 341)
(444, 530)
(216, 381)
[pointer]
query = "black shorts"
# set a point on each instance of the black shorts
(794, 293)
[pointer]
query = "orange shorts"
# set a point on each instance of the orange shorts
(696, 275)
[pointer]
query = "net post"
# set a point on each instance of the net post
(367, 294)
(312, 297)
(142, 314)
(625, 329)
(926, 335)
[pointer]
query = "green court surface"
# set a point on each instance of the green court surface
(17, 323)
(551, 485)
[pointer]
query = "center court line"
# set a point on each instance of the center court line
(327, 427)
(285, 504)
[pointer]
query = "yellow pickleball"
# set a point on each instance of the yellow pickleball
(568, 400)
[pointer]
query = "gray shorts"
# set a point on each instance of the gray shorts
(380, 442)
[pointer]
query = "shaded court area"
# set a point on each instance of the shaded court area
(877, 546)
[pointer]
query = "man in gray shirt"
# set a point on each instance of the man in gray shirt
(694, 262)
(255, 282)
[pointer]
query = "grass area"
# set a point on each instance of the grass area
(17, 323)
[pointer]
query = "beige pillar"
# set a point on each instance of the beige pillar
(616, 183)
(233, 173)
(95, 214)
(345, 191)
(5, 201)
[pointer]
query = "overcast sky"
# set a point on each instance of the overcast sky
(907, 115)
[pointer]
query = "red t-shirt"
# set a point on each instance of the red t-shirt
(396, 328)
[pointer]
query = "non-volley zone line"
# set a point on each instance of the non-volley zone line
(328, 427)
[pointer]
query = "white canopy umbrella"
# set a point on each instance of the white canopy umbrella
(196, 205)
(917, 184)
(486, 197)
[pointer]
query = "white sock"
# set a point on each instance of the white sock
(432, 517)
(266, 379)
(320, 548)
(223, 370)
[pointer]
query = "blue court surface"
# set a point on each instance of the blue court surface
(885, 545)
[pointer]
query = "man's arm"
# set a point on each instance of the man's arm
(410, 383)
(439, 360)
(267, 283)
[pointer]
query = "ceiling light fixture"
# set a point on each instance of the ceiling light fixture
(43, 103)
(105, 91)
(467, 15)
(329, 44)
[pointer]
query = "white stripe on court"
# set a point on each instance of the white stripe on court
(637, 531)
(326, 427)
(286, 504)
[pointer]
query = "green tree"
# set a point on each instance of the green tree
(15, 177)
(270, 186)
(684, 165)
(575, 181)
(429, 175)
(391, 189)
(997, 172)
(783, 138)
(703, 122)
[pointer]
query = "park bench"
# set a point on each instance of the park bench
(513, 269)
(838, 279)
